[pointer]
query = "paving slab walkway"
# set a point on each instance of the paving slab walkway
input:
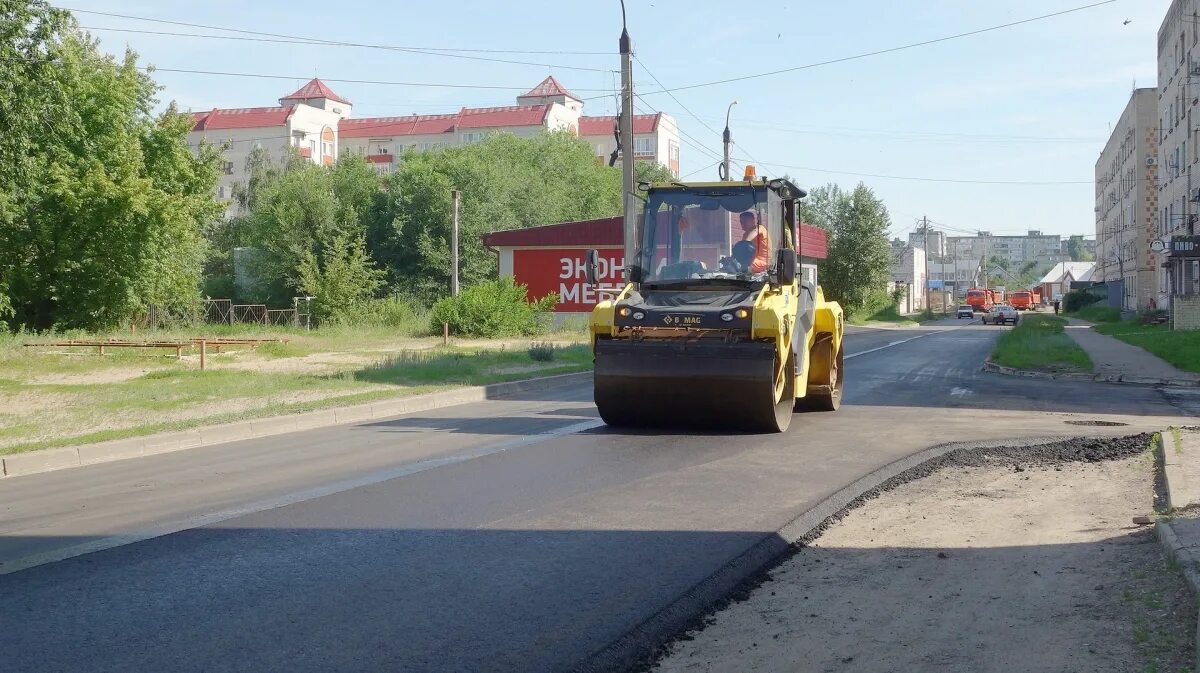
(1113, 357)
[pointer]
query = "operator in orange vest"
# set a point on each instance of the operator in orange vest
(757, 234)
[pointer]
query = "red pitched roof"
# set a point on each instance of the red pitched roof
(548, 87)
(491, 117)
(467, 118)
(315, 89)
(387, 127)
(603, 126)
(241, 118)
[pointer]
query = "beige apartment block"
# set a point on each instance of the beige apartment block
(1127, 202)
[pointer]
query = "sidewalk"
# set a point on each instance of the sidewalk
(1115, 358)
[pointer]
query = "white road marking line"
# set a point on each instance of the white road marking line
(897, 343)
(960, 392)
(288, 499)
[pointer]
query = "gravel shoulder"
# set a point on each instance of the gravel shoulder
(1000, 565)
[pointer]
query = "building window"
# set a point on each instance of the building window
(327, 149)
(312, 146)
(643, 147)
(472, 137)
(228, 168)
(221, 192)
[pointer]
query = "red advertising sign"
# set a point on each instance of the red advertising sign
(561, 270)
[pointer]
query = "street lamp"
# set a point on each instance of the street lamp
(727, 139)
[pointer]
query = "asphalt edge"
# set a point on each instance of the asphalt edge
(637, 645)
(47, 460)
(990, 366)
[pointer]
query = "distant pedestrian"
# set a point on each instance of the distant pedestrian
(1055, 307)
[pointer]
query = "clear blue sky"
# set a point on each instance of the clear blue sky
(1028, 103)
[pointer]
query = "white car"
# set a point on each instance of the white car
(965, 311)
(1000, 314)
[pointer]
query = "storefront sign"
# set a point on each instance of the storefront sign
(549, 270)
(1185, 246)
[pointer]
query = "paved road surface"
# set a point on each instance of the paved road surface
(518, 534)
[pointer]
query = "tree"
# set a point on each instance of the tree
(101, 204)
(507, 183)
(859, 264)
(1077, 251)
(342, 283)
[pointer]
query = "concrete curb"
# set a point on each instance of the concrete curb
(630, 650)
(989, 366)
(47, 460)
(1185, 560)
(1178, 497)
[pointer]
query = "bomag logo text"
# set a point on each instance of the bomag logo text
(681, 320)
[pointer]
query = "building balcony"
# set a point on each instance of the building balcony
(380, 158)
(306, 152)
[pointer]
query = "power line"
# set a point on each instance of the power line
(683, 107)
(340, 80)
(685, 136)
(889, 50)
(331, 42)
(923, 136)
(699, 170)
(327, 43)
(929, 179)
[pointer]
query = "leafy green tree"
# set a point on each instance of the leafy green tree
(102, 205)
(506, 183)
(343, 283)
(1077, 251)
(859, 264)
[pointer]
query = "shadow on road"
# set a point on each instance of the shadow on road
(261, 598)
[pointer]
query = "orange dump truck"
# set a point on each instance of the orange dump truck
(981, 300)
(1022, 300)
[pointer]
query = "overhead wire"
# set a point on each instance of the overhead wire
(325, 43)
(340, 80)
(889, 50)
(189, 24)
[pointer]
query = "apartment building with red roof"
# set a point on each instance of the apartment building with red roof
(307, 119)
(317, 121)
(548, 106)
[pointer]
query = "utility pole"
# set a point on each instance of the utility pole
(628, 196)
(727, 140)
(454, 193)
(928, 283)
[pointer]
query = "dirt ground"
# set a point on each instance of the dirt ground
(992, 568)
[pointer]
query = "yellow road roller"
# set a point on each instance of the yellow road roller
(717, 326)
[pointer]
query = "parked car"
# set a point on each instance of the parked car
(965, 311)
(1002, 313)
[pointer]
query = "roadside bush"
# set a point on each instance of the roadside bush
(494, 308)
(542, 352)
(1075, 300)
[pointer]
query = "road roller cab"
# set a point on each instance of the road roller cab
(715, 325)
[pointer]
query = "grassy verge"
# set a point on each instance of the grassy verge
(51, 398)
(1098, 314)
(1181, 348)
(888, 314)
(1039, 343)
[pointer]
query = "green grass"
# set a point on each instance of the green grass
(1180, 348)
(887, 314)
(42, 409)
(1098, 314)
(1039, 343)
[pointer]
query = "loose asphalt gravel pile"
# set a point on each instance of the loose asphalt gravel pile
(1018, 457)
